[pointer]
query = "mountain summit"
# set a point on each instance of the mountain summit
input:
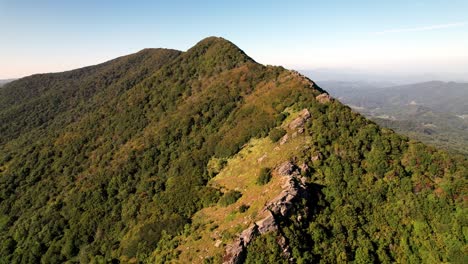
(207, 156)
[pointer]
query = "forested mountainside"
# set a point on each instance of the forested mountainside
(433, 112)
(208, 156)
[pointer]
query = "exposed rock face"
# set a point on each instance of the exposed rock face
(267, 224)
(235, 253)
(285, 168)
(280, 206)
(293, 188)
(323, 98)
(299, 121)
(248, 234)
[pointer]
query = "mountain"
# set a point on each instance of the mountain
(208, 156)
(433, 112)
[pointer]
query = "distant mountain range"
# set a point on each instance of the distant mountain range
(435, 112)
(382, 77)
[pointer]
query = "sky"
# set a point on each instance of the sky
(394, 37)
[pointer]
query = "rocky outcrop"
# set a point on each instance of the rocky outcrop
(248, 234)
(284, 139)
(300, 120)
(267, 224)
(304, 80)
(235, 253)
(293, 188)
(259, 160)
(316, 156)
(323, 98)
(285, 169)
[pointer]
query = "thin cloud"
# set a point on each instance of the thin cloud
(426, 28)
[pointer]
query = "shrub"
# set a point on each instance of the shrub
(230, 198)
(264, 176)
(215, 165)
(243, 208)
(281, 117)
(276, 134)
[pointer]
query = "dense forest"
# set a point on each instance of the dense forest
(110, 163)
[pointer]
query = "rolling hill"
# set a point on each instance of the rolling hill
(206, 156)
(433, 112)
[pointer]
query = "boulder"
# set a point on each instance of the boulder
(284, 139)
(323, 98)
(305, 113)
(317, 156)
(286, 169)
(218, 243)
(300, 120)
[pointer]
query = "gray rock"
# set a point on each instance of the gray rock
(280, 206)
(300, 120)
(284, 139)
(317, 156)
(267, 224)
(235, 253)
(323, 98)
(285, 169)
(305, 114)
(248, 234)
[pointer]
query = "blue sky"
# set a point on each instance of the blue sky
(391, 36)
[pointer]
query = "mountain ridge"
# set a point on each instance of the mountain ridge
(151, 163)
